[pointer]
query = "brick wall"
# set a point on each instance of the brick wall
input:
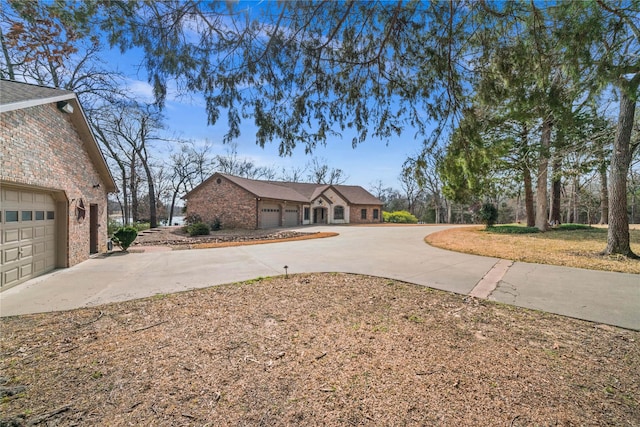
(355, 214)
(40, 147)
(233, 205)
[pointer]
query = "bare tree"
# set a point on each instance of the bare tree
(321, 173)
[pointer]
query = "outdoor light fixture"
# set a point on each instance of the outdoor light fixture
(65, 107)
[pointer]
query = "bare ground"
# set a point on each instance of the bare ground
(307, 350)
(322, 349)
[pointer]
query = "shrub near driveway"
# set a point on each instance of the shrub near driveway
(569, 247)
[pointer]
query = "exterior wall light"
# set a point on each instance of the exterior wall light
(65, 107)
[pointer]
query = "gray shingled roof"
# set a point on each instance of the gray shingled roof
(17, 95)
(267, 190)
(297, 191)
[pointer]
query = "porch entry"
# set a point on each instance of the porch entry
(320, 215)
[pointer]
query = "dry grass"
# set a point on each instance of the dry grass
(316, 350)
(577, 248)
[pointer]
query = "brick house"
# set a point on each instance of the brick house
(53, 183)
(251, 204)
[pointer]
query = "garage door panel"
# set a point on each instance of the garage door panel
(10, 276)
(11, 196)
(49, 262)
(26, 270)
(27, 235)
(38, 232)
(39, 266)
(270, 216)
(11, 236)
(10, 255)
(291, 216)
(39, 248)
(26, 251)
(26, 197)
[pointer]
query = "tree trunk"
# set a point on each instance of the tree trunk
(542, 202)
(556, 187)
(604, 196)
(528, 198)
(7, 58)
(618, 234)
(153, 211)
(133, 186)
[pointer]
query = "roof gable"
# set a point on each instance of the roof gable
(17, 96)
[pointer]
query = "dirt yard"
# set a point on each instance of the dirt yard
(316, 350)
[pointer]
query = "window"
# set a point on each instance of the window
(376, 214)
(51, 215)
(27, 215)
(11, 216)
(338, 212)
(39, 215)
(363, 214)
(307, 214)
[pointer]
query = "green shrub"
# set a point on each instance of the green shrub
(198, 229)
(192, 219)
(399, 217)
(488, 214)
(512, 229)
(124, 237)
(140, 226)
(217, 225)
(570, 227)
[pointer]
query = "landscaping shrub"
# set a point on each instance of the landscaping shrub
(217, 225)
(488, 214)
(198, 229)
(192, 219)
(124, 237)
(399, 217)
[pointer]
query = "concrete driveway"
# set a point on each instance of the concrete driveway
(395, 252)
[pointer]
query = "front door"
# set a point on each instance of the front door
(319, 216)
(93, 229)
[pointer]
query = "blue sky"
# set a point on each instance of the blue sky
(369, 162)
(185, 117)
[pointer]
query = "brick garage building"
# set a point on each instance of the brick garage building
(53, 183)
(246, 203)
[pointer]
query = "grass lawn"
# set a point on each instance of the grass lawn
(573, 248)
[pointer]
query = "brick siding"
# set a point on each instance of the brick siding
(234, 206)
(355, 214)
(40, 147)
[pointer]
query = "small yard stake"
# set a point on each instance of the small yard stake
(286, 274)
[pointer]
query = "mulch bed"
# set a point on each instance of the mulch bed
(177, 238)
(316, 350)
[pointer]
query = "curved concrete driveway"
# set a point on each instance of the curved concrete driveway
(393, 252)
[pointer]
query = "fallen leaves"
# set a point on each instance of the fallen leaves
(330, 349)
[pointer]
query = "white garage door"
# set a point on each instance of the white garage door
(27, 235)
(270, 216)
(291, 217)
